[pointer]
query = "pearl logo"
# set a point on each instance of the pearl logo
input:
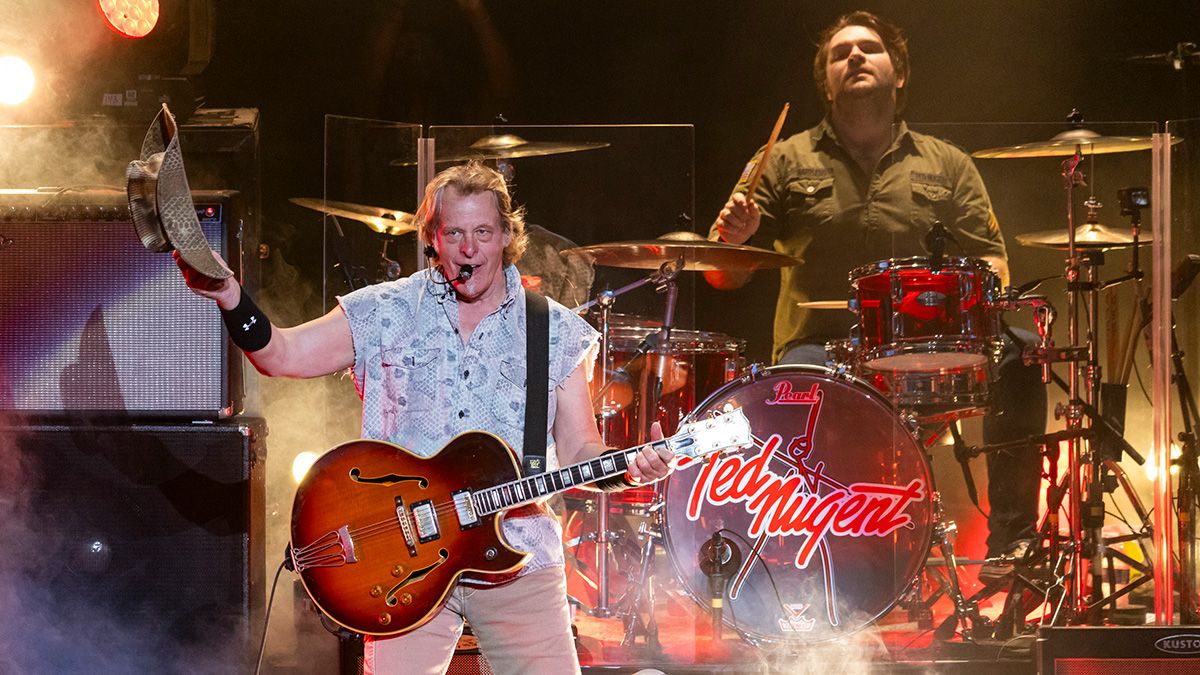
(1179, 644)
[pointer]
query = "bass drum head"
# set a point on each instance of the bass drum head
(830, 513)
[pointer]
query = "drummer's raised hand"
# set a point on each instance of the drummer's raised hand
(652, 464)
(738, 220)
(226, 292)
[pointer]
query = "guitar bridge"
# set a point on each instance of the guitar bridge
(406, 527)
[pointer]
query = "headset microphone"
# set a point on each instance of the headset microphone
(465, 272)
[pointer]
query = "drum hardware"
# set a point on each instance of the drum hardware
(1084, 257)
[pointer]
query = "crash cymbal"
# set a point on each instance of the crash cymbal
(697, 256)
(1089, 235)
(1064, 144)
(384, 221)
(506, 146)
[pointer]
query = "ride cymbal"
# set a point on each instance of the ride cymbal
(383, 221)
(697, 256)
(1064, 144)
(1089, 235)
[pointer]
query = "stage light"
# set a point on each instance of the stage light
(16, 80)
(302, 464)
(131, 18)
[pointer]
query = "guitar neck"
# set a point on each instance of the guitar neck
(531, 488)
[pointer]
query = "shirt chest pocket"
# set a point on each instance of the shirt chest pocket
(510, 397)
(810, 201)
(410, 378)
(932, 200)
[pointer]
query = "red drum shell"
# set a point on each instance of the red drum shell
(913, 318)
(864, 529)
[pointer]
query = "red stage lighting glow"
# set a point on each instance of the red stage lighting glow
(131, 18)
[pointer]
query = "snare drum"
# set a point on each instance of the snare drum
(914, 318)
(831, 515)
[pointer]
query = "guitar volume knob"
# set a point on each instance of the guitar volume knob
(397, 571)
(406, 599)
(384, 618)
(376, 591)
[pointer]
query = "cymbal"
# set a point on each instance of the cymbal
(697, 256)
(1063, 145)
(506, 146)
(1089, 235)
(822, 304)
(384, 221)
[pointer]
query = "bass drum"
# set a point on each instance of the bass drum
(831, 513)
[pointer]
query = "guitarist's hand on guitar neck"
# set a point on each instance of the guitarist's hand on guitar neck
(653, 462)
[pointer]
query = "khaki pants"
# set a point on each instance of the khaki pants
(522, 627)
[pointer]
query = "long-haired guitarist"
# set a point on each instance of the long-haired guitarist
(440, 353)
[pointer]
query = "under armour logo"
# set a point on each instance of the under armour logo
(246, 326)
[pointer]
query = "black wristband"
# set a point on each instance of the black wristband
(248, 327)
(615, 483)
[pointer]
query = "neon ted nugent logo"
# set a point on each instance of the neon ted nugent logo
(793, 504)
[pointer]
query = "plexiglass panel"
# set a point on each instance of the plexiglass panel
(1178, 394)
(370, 171)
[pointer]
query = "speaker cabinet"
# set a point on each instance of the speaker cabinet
(135, 545)
(91, 323)
(1117, 650)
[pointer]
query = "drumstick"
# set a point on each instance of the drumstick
(767, 151)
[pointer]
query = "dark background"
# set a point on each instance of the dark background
(725, 67)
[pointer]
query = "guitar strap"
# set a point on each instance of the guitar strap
(537, 377)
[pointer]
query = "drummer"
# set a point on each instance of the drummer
(861, 187)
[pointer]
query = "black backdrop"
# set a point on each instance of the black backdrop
(725, 67)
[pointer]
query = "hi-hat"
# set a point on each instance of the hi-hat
(697, 256)
(384, 221)
(1089, 236)
(506, 146)
(1064, 144)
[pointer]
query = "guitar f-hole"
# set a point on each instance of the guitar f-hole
(415, 576)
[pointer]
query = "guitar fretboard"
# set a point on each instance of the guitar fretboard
(514, 493)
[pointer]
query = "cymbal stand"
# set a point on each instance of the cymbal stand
(604, 301)
(643, 594)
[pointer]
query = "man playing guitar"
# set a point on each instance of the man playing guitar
(440, 353)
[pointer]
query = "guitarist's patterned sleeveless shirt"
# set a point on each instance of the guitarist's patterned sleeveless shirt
(421, 386)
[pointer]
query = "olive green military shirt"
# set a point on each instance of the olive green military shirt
(817, 204)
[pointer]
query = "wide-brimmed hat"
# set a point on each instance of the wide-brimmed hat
(160, 201)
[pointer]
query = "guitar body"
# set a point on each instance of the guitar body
(363, 564)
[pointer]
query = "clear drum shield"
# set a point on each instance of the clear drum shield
(1174, 394)
(368, 202)
(591, 185)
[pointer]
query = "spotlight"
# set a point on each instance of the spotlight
(16, 80)
(131, 18)
(302, 464)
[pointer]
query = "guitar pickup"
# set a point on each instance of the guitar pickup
(427, 521)
(465, 509)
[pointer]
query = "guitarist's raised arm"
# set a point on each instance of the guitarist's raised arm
(577, 438)
(318, 347)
